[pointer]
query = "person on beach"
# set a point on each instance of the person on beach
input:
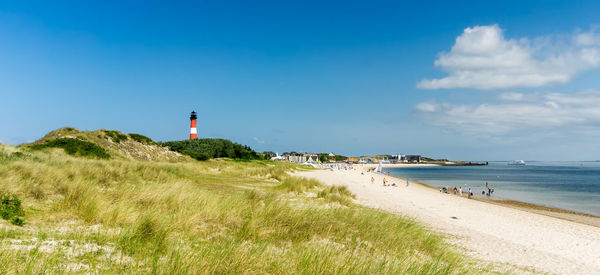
(372, 180)
(455, 190)
(384, 181)
(470, 193)
(460, 190)
(406, 182)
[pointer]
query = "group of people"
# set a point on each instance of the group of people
(489, 192)
(459, 191)
(456, 191)
(385, 182)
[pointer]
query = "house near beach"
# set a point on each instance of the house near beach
(403, 158)
(412, 158)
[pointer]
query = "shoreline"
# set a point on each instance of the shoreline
(570, 215)
(556, 212)
(515, 235)
(566, 214)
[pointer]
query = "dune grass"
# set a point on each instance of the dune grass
(74, 146)
(123, 216)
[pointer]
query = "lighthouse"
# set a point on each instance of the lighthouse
(193, 131)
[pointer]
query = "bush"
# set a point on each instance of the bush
(323, 157)
(75, 147)
(340, 158)
(116, 136)
(17, 155)
(202, 149)
(141, 138)
(10, 208)
(196, 155)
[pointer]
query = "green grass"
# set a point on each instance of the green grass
(116, 136)
(125, 216)
(10, 208)
(74, 147)
(141, 138)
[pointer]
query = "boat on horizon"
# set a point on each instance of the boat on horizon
(519, 162)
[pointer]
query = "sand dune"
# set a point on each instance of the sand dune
(491, 232)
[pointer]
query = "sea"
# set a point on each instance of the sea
(572, 186)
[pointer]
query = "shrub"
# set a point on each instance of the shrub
(212, 148)
(116, 136)
(10, 208)
(340, 158)
(17, 155)
(141, 138)
(196, 155)
(75, 147)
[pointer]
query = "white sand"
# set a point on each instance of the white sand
(487, 231)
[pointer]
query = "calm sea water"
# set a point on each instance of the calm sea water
(568, 185)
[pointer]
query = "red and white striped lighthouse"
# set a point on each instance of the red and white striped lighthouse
(193, 131)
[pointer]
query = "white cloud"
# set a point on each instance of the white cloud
(511, 96)
(427, 106)
(590, 38)
(258, 140)
(482, 58)
(544, 111)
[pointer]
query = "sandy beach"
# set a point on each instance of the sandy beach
(508, 236)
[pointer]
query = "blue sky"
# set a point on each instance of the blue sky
(473, 80)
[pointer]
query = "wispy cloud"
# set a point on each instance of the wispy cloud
(482, 58)
(258, 140)
(534, 112)
(428, 106)
(511, 96)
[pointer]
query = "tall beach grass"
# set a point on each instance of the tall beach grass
(124, 216)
